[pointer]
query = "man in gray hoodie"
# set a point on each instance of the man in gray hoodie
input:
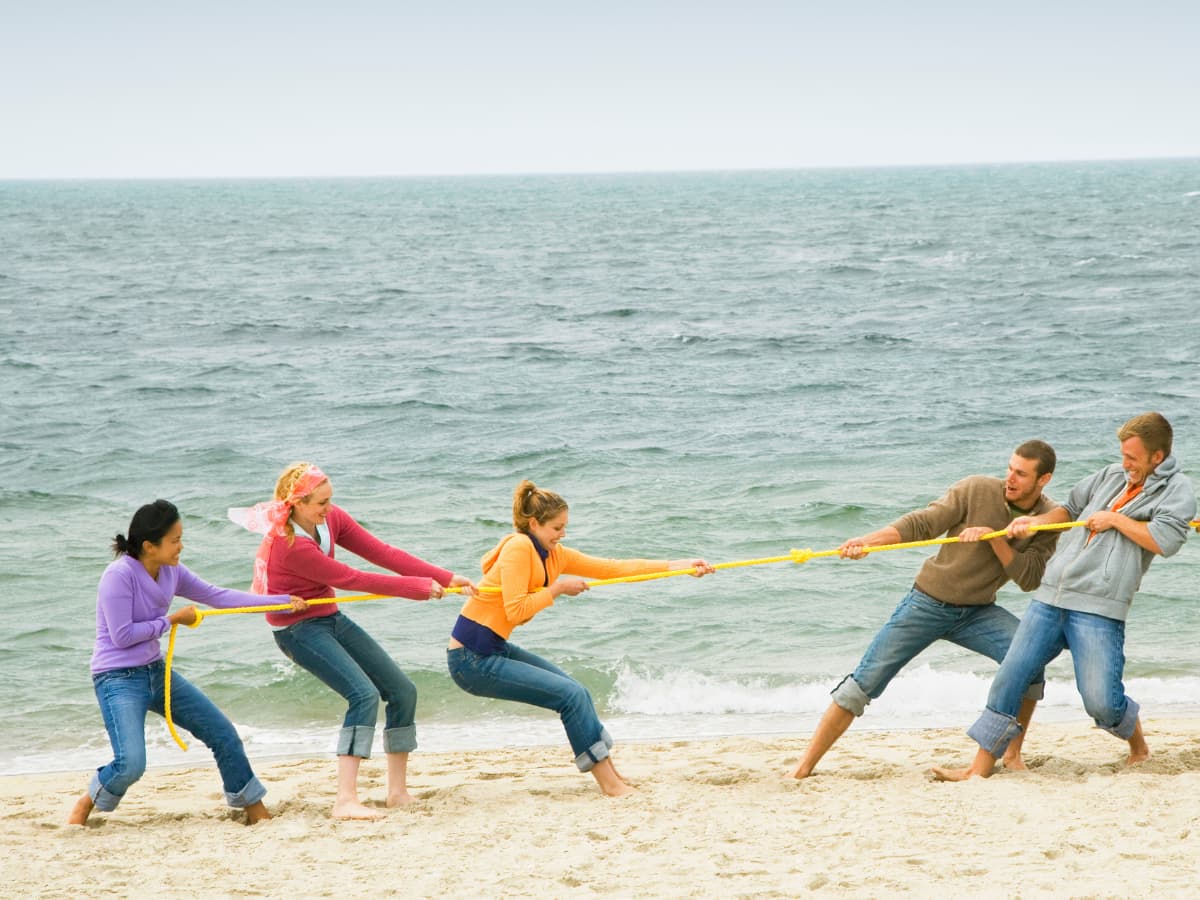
(1135, 510)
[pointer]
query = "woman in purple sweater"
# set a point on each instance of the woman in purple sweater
(132, 607)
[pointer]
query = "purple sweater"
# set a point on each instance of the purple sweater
(132, 607)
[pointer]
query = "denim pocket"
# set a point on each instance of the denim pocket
(464, 668)
(114, 675)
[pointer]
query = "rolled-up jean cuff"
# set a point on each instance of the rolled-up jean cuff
(401, 739)
(587, 760)
(247, 796)
(356, 740)
(1125, 728)
(850, 697)
(1035, 691)
(994, 731)
(103, 799)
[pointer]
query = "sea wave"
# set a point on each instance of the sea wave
(918, 696)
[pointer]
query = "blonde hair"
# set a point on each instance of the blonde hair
(1153, 429)
(287, 482)
(532, 502)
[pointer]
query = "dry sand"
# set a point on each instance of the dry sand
(710, 819)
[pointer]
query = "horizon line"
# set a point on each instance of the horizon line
(704, 170)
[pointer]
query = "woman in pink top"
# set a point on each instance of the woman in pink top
(301, 528)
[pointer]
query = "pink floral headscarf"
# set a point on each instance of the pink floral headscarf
(269, 519)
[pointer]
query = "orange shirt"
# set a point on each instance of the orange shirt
(515, 568)
(1129, 494)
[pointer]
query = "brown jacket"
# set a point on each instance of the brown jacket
(970, 574)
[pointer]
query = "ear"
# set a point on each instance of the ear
(1044, 480)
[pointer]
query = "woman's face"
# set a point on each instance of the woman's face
(165, 552)
(550, 532)
(313, 509)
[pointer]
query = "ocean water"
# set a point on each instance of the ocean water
(721, 364)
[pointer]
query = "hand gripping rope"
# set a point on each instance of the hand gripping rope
(797, 556)
(201, 615)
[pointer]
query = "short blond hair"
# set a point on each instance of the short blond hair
(1153, 429)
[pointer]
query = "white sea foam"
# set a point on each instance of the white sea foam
(919, 697)
(678, 705)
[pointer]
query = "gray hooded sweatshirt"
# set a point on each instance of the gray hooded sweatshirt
(1101, 575)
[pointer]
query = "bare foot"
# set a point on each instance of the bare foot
(620, 789)
(941, 773)
(608, 780)
(801, 772)
(628, 781)
(80, 811)
(352, 809)
(256, 812)
(402, 798)
(1016, 764)
(1139, 750)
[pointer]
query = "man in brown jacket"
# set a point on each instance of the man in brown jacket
(954, 595)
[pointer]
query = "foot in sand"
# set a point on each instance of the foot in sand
(256, 812)
(80, 811)
(622, 778)
(401, 798)
(1015, 764)
(941, 773)
(609, 781)
(1139, 750)
(352, 809)
(621, 789)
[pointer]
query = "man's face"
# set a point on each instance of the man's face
(1137, 461)
(1023, 485)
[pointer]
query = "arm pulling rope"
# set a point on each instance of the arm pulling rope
(797, 556)
(202, 614)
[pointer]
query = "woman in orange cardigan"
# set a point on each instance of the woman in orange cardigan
(520, 579)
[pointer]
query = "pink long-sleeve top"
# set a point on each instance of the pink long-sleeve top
(132, 608)
(309, 570)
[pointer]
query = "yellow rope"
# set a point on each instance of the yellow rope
(202, 614)
(797, 556)
(1058, 526)
(802, 556)
(167, 689)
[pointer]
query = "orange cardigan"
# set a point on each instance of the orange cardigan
(515, 568)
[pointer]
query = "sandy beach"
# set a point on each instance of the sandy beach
(709, 819)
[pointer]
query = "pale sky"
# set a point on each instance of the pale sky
(365, 87)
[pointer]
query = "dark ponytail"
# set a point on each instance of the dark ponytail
(150, 523)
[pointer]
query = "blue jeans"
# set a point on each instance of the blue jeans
(348, 660)
(1097, 646)
(519, 675)
(126, 695)
(916, 623)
